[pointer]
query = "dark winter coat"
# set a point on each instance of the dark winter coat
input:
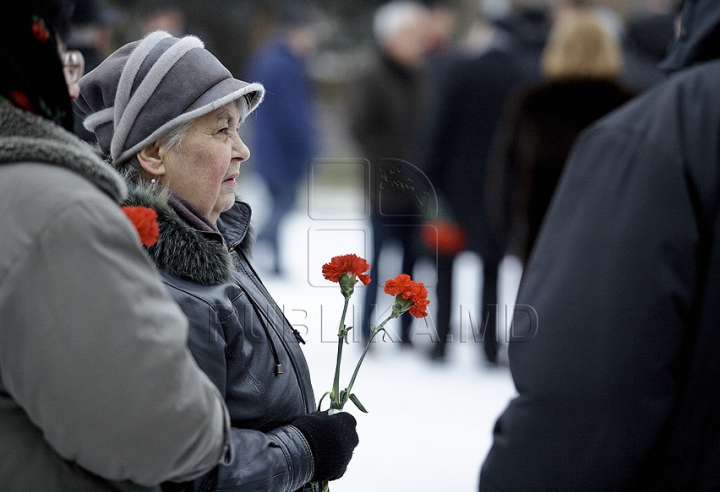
(534, 141)
(243, 342)
(470, 103)
(383, 111)
(615, 358)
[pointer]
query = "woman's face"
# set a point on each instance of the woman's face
(204, 166)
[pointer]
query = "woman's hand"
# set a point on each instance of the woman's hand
(332, 439)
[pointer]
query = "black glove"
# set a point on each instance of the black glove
(332, 439)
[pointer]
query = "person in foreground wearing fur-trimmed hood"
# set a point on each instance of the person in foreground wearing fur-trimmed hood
(98, 390)
(166, 113)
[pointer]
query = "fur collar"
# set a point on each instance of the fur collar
(25, 137)
(185, 252)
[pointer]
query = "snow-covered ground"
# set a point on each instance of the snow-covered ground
(429, 426)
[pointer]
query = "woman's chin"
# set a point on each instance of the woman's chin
(225, 203)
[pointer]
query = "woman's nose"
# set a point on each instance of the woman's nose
(241, 150)
(74, 90)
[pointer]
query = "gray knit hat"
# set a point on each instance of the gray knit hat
(148, 87)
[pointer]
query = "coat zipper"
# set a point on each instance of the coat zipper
(250, 272)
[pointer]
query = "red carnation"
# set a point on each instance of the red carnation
(398, 285)
(419, 307)
(412, 291)
(447, 237)
(40, 31)
(348, 264)
(145, 221)
(410, 297)
(21, 101)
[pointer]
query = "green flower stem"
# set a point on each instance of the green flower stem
(335, 393)
(375, 331)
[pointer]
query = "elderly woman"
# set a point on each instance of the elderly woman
(166, 113)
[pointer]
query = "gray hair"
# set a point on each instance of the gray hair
(393, 17)
(173, 139)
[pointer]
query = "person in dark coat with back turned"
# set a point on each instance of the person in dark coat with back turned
(181, 156)
(617, 374)
(581, 62)
(470, 101)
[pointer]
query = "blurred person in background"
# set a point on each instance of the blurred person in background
(284, 128)
(454, 156)
(441, 28)
(526, 27)
(384, 111)
(166, 113)
(648, 36)
(90, 35)
(165, 19)
(581, 64)
(90, 30)
(98, 390)
(617, 374)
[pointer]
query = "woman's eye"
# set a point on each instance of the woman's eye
(224, 130)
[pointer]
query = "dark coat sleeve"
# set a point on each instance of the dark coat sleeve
(604, 306)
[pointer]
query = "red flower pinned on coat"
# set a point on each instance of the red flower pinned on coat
(145, 221)
(39, 30)
(409, 295)
(21, 100)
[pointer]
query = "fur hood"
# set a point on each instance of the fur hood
(25, 137)
(185, 252)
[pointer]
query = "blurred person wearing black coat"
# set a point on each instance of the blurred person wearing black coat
(471, 96)
(581, 63)
(617, 374)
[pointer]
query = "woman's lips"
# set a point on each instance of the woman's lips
(231, 179)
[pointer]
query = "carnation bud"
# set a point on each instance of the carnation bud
(347, 284)
(401, 305)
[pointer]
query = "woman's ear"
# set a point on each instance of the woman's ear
(152, 159)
